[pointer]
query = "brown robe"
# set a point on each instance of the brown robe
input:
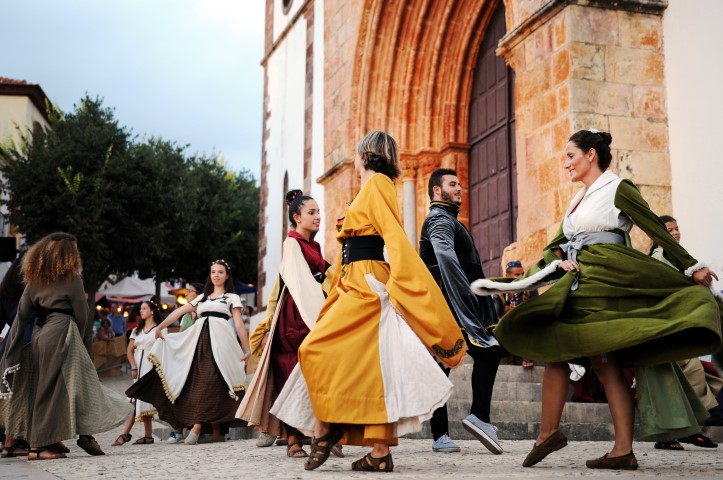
(64, 397)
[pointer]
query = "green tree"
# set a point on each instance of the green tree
(160, 167)
(222, 209)
(73, 177)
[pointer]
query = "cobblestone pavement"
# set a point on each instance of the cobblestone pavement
(413, 459)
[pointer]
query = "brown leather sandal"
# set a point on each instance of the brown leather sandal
(144, 441)
(123, 438)
(298, 452)
(43, 454)
(11, 452)
(370, 464)
(320, 453)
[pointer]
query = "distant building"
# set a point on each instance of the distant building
(23, 108)
(494, 89)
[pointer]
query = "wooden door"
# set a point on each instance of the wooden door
(492, 166)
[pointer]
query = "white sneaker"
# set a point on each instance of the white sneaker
(191, 439)
(265, 440)
(175, 437)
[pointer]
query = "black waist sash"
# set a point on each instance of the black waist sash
(43, 313)
(368, 247)
(225, 316)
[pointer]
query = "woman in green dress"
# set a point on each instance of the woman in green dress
(612, 306)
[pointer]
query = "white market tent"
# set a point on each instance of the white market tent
(133, 290)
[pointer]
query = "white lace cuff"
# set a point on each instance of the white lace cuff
(691, 270)
(5, 391)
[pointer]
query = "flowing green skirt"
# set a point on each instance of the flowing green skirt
(628, 303)
(644, 311)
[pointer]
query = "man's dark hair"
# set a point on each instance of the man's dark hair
(436, 179)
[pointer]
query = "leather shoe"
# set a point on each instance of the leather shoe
(553, 443)
(90, 445)
(623, 462)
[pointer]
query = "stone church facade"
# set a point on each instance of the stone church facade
(492, 88)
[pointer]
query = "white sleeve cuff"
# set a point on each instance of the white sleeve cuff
(691, 270)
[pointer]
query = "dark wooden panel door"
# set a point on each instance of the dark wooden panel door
(492, 165)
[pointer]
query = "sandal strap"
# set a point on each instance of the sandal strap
(370, 464)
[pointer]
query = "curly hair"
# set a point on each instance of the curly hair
(380, 153)
(51, 259)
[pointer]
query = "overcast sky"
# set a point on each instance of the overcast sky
(185, 70)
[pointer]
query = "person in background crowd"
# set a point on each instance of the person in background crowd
(60, 408)
(504, 302)
(105, 332)
(117, 320)
(706, 386)
(141, 341)
(193, 290)
(448, 250)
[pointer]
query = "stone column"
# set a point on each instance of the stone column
(409, 199)
(410, 209)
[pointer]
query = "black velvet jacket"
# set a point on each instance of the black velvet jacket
(448, 250)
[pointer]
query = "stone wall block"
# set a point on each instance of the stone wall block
(647, 168)
(634, 66)
(563, 99)
(529, 84)
(580, 121)
(649, 102)
(559, 30)
(537, 147)
(587, 61)
(601, 97)
(539, 47)
(640, 31)
(593, 25)
(544, 109)
(560, 66)
(561, 132)
(639, 134)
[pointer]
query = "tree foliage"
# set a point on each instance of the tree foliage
(135, 206)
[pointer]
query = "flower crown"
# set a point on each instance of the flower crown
(221, 261)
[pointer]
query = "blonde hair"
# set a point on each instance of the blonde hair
(380, 153)
(51, 259)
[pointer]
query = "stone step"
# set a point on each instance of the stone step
(530, 431)
(505, 373)
(517, 411)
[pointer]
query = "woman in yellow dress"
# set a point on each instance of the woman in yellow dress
(366, 363)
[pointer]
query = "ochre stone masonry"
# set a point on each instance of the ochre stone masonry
(407, 67)
(587, 67)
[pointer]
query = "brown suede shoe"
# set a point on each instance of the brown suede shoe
(554, 442)
(623, 462)
(90, 445)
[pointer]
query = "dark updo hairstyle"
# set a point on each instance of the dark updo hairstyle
(295, 199)
(380, 153)
(600, 141)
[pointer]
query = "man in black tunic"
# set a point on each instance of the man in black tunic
(448, 250)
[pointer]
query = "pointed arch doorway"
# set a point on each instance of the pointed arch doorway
(492, 165)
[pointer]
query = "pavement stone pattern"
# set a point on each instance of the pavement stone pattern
(413, 459)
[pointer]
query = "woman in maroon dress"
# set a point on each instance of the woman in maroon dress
(301, 273)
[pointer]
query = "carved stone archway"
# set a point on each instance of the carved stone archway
(412, 77)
